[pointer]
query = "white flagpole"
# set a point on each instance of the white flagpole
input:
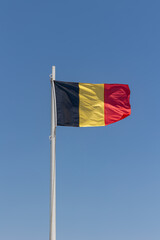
(53, 159)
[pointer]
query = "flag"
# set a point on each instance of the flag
(91, 105)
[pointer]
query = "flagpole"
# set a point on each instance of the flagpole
(53, 159)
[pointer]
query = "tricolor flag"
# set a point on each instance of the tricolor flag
(91, 105)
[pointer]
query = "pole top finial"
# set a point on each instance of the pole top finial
(53, 74)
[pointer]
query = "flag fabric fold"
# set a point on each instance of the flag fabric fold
(91, 105)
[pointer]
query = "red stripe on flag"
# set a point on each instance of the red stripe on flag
(116, 102)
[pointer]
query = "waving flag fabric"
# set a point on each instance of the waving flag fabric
(91, 105)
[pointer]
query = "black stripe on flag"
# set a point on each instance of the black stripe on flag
(67, 101)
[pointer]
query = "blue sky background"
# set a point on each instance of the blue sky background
(108, 178)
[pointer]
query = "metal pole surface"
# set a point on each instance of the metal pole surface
(53, 160)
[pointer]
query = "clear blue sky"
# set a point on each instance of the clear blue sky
(108, 178)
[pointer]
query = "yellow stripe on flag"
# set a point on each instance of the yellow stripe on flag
(91, 105)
